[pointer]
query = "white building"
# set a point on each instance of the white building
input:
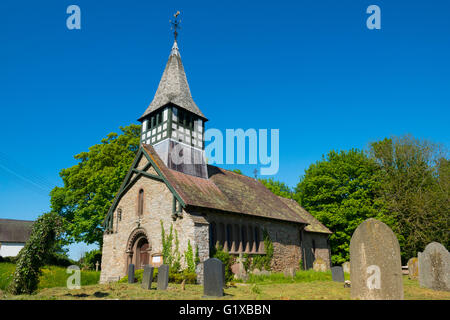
(13, 236)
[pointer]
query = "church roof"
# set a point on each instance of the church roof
(15, 230)
(314, 225)
(173, 87)
(226, 191)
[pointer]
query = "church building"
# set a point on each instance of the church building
(207, 206)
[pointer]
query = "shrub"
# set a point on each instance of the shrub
(91, 258)
(227, 260)
(171, 256)
(32, 256)
(8, 259)
(60, 260)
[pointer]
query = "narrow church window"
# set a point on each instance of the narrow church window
(229, 238)
(141, 202)
(221, 236)
(212, 235)
(256, 239)
(244, 238)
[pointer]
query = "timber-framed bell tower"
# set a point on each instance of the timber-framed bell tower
(173, 124)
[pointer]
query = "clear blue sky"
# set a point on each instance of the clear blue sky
(309, 68)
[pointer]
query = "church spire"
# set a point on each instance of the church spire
(173, 86)
(173, 124)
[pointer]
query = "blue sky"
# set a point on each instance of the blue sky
(309, 68)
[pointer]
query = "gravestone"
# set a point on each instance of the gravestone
(131, 278)
(319, 265)
(337, 274)
(376, 269)
(147, 277)
(163, 277)
(434, 267)
(213, 274)
(413, 268)
(346, 267)
(289, 273)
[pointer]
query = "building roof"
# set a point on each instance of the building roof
(173, 87)
(226, 191)
(15, 230)
(314, 225)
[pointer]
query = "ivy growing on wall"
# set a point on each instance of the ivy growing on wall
(171, 251)
(189, 257)
(32, 257)
(260, 261)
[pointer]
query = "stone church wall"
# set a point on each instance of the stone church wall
(285, 237)
(157, 207)
(315, 245)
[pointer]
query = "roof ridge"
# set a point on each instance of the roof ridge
(7, 219)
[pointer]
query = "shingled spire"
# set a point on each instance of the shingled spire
(173, 124)
(173, 87)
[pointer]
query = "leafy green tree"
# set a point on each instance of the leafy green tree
(91, 258)
(339, 191)
(91, 185)
(279, 188)
(415, 187)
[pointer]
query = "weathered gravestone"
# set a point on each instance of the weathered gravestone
(131, 278)
(289, 273)
(346, 267)
(376, 269)
(319, 265)
(413, 268)
(213, 274)
(163, 277)
(147, 277)
(434, 267)
(337, 274)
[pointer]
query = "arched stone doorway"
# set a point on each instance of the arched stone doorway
(138, 249)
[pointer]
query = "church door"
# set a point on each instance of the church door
(144, 256)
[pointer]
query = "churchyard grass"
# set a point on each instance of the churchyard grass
(52, 276)
(306, 290)
(300, 276)
(6, 272)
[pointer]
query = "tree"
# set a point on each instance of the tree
(91, 185)
(32, 257)
(339, 191)
(277, 187)
(414, 177)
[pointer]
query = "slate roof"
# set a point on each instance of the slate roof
(15, 230)
(314, 224)
(226, 191)
(173, 87)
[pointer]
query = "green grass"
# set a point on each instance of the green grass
(52, 276)
(6, 272)
(307, 290)
(300, 276)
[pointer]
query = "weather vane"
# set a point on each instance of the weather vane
(175, 25)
